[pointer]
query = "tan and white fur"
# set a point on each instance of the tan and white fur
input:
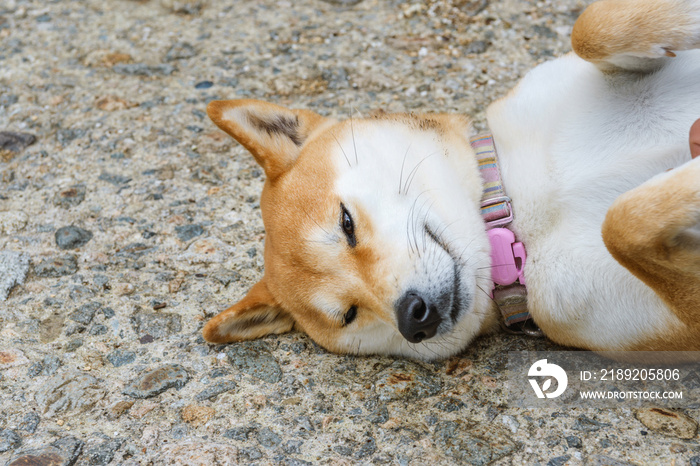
(370, 222)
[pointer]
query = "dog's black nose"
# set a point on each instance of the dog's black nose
(417, 319)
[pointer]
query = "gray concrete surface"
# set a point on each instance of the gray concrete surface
(141, 220)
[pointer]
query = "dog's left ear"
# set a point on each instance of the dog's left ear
(273, 134)
(254, 316)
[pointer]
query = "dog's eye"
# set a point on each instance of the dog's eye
(348, 226)
(350, 315)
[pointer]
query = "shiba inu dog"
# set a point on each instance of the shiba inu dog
(379, 238)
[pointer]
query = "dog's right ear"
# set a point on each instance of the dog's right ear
(254, 316)
(273, 134)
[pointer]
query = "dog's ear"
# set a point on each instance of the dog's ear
(254, 316)
(273, 134)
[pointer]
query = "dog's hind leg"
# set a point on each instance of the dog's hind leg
(636, 35)
(654, 231)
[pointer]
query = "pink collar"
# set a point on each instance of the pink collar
(507, 255)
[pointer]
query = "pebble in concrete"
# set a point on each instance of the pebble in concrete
(79, 292)
(472, 445)
(15, 142)
(121, 357)
(204, 85)
(62, 452)
(226, 276)
(667, 422)
(85, 313)
(103, 453)
(215, 390)
(12, 357)
(190, 452)
(559, 460)
(72, 237)
(406, 380)
(9, 440)
(187, 232)
(449, 405)
(197, 415)
(12, 222)
(53, 267)
(69, 391)
(156, 324)
(30, 422)
(179, 51)
(206, 251)
(70, 197)
(156, 381)
(8, 99)
(48, 456)
(586, 424)
(254, 358)
(241, 433)
(604, 460)
(379, 413)
(119, 408)
(573, 441)
(292, 446)
(48, 366)
(369, 446)
(13, 270)
(184, 7)
(72, 446)
(251, 454)
(141, 69)
(267, 437)
(66, 135)
(115, 179)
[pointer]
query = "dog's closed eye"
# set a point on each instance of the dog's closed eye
(348, 226)
(350, 316)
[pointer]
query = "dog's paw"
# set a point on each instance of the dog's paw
(634, 34)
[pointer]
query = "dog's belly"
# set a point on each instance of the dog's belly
(580, 296)
(570, 140)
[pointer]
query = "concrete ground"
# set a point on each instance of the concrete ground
(127, 219)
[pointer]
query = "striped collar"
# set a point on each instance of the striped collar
(507, 255)
(496, 207)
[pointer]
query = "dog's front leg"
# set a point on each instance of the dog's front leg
(636, 35)
(654, 231)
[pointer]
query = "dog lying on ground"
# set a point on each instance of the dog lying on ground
(380, 232)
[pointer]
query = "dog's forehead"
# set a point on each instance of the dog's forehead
(381, 139)
(381, 161)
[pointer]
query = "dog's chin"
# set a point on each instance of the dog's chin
(439, 347)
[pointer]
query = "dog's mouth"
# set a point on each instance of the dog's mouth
(456, 294)
(452, 299)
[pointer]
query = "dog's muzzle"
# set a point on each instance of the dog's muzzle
(418, 319)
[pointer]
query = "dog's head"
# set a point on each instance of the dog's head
(374, 241)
